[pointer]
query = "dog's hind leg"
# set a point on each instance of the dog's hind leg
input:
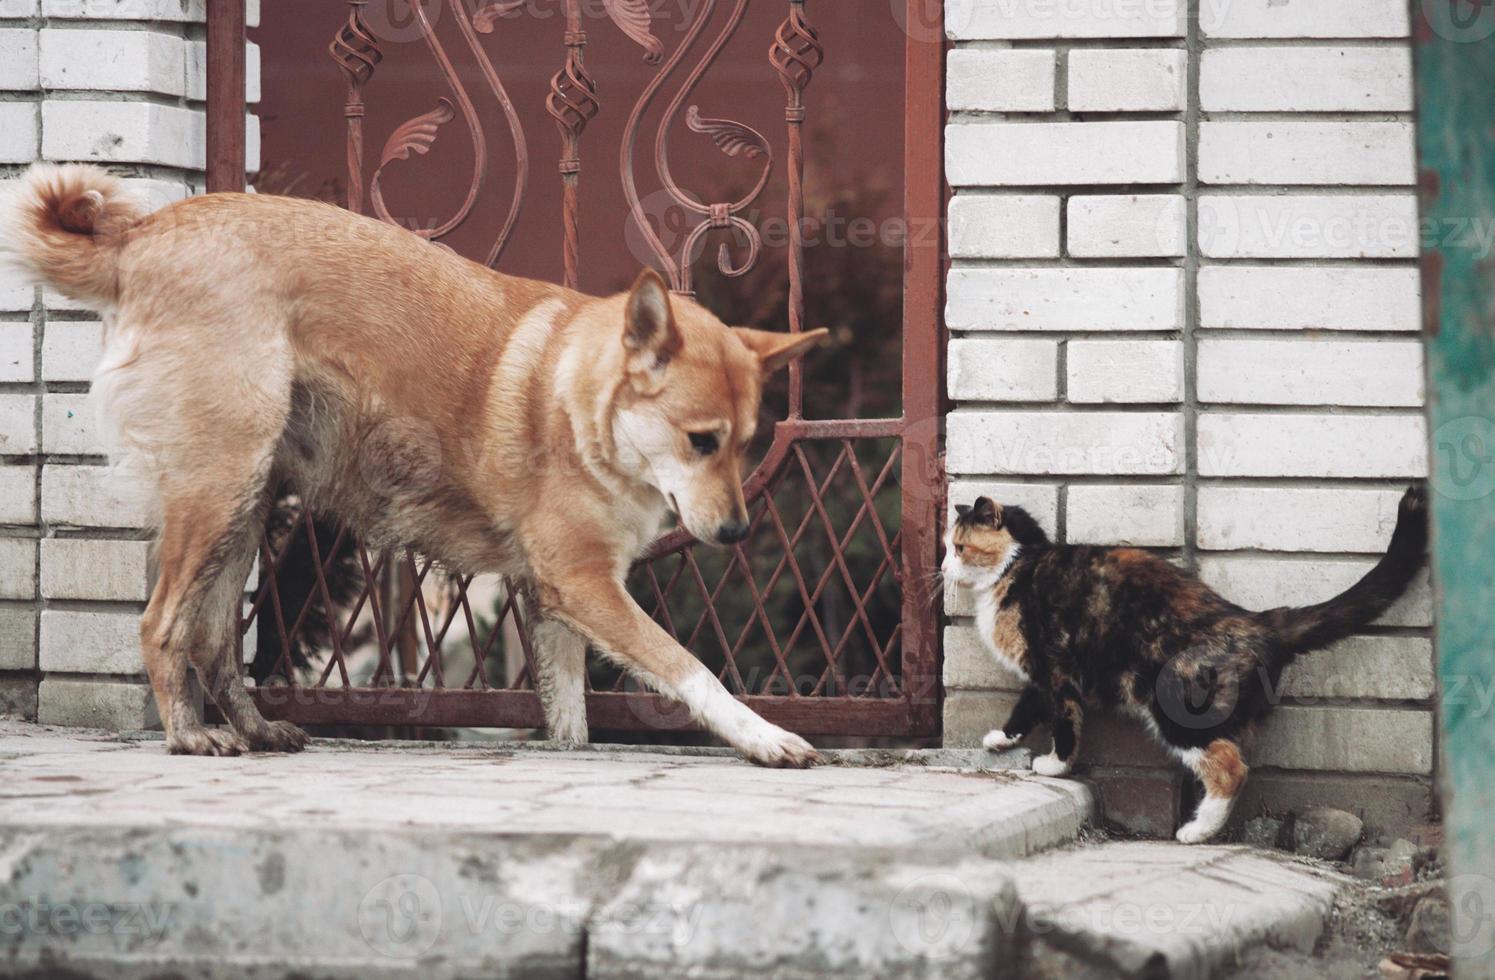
(206, 548)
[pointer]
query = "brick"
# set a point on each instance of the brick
(113, 60)
(1296, 79)
(18, 494)
(19, 9)
(82, 568)
(1047, 153)
(1266, 583)
(1366, 667)
(1309, 226)
(17, 425)
(96, 704)
(18, 132)
(969, 715)
(1125, 371)
(1321, 18)
(18, 698)
(69, 426)
(1276, 444)
(71, 349)
(970, 666)
(1008, 226)
(1000, 81)
(1246, 297)
(970, 20)
(90, 642)
(90, 496)
(1138, 515)
(1127, 225)
(197, 72)
(1296, 519)
(17, 361)
(1276, 152)
(178, 11)
(1112, 738)
(17, 568)
(157, 193)
(1065, 299)
(1127, 80)
(1040, 500)
(18, 59)
(1139, 801)
(1386, 740)
(17, 294)
(17, 638)
(1141, 443)
(1311, 372)
(123, 132)
(1394, 806)
(1004, 370)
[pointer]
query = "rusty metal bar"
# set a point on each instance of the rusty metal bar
(796, 53)
(923, 375)
(606, 710)
(356, 51)
(573, 103)
(226, 107)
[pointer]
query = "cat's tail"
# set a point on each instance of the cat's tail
(1313, 627)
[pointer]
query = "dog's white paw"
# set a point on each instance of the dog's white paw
(997, 740)
(1195, 832)
(1050, 765)
(779, 749)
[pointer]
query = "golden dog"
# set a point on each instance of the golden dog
(496, 424)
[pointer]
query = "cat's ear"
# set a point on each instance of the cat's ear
(961, 510)
(985, 512)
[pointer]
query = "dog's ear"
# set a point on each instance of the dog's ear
(649, 329)
(775, 350)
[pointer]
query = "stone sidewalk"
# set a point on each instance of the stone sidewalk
(366, 860)
(520, 860)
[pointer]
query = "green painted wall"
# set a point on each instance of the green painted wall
(1455, 71)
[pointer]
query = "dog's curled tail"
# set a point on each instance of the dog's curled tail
(1313, 627)
(65, 225)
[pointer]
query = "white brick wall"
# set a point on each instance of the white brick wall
(1234, 379)
(119, 83)
(1113, 79)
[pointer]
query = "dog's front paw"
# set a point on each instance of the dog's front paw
(1050, 765)
(197, 740)
(278, 736)
(779, 749)
(997, 740)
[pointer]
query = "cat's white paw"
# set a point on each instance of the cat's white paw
(997, 740)
(1195, 832)
(1050, 765)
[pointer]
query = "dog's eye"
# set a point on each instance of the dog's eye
(704, 443)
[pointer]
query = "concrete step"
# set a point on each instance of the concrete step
(397, 860)
(1164, 910)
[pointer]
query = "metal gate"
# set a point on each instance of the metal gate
(825, 620)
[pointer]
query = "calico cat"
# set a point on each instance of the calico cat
(1123, 628)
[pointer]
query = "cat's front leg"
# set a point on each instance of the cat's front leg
(1069, 719)
(1031, 710)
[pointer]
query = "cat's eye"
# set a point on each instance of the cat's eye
(704, 443)
(960, 549)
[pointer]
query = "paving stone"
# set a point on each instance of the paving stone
(1159, 910)
(701, 912)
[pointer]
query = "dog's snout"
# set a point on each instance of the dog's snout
(732, 532)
